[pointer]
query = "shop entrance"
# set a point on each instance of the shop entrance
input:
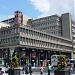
(34, 58)
(23, 61)
(23, 57)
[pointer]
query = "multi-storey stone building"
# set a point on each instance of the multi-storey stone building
(18, 17)
(24, 39)
(37, 46)
(57, 25)
(63, 26)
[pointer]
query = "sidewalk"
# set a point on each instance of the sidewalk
(5, 74)
(36, 71)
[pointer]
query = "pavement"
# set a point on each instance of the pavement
(36, 71)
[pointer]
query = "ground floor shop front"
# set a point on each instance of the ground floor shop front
(27, 55)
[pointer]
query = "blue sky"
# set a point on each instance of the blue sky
(8, 7)
(36, 8)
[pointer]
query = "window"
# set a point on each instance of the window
(26, 40)
(9, 40)
(17, 38)
(23, 39)
(20, 29)
(27, 31)
(1, 32)
(23, 30)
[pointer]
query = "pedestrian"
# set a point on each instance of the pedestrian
(41, 70)
(7, 68)
(30, 69)
(74, 65)
(25, 69)
(49, 69)
(1, 72)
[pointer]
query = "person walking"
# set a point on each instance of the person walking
(49, 69)
(41, 70)
(7, 68)
(74, 65)
(25, 69)
(30, 69)
(1, 72)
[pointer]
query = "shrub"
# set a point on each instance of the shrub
(62, 65)
(14, 62)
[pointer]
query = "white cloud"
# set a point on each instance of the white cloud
(50, 7)
(41, 5)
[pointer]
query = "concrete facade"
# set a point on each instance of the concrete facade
(44, 36)
(66, 25)
(21, 38)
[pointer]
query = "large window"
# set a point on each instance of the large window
(27, 31)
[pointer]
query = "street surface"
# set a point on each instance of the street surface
(36, 71)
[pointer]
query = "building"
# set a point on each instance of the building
(30, 41)
(31, 45)
(56, 25)
(17, 18)
(63, 26)
(49, 24)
